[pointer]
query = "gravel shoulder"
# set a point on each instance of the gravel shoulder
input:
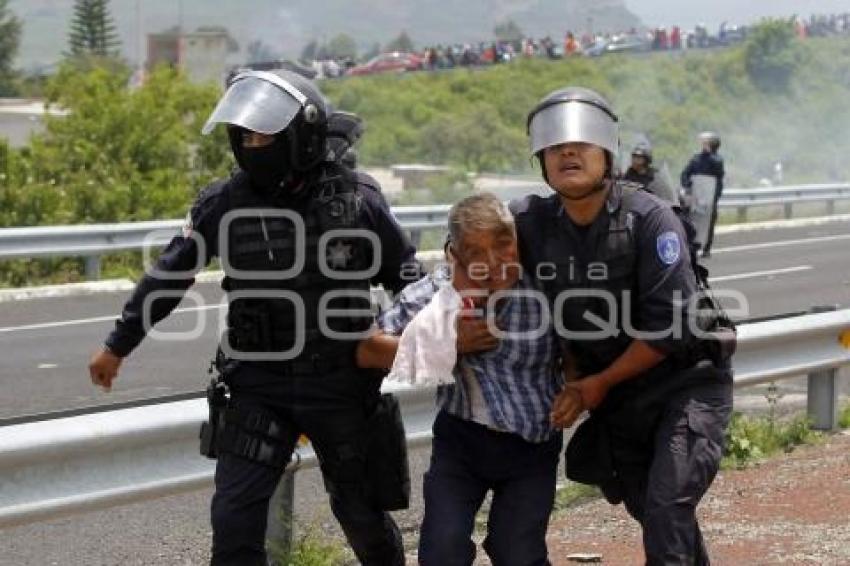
(791, 509)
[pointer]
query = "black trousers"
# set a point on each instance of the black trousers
(663, 495)
(467, 461)
(332, 412)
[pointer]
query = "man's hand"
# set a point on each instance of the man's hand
(103, 368)
(473, 335)
(576, 397)
(567, 407)
(593, 390)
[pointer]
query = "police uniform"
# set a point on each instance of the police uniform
(665, 437)
(656, 440)
(706, 163)
(279, 250)
(652, 182)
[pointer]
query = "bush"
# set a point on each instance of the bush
(844, 417)
(751, 439)
(310, 549)
(772, 54)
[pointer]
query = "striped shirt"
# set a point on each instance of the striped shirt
(517, 380)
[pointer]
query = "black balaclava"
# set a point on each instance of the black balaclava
(268, 166)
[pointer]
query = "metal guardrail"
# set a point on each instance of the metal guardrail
(87, 462)
(92, 241)
(788, 196)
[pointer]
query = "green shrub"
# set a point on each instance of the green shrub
(844, 417)
(751, 439)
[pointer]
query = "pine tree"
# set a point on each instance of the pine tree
(10, 35)
(93, 30)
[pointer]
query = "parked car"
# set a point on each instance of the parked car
(627, 43)
(596, 48)
(388, 62)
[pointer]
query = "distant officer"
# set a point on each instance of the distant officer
(707, 163)
(646, 176)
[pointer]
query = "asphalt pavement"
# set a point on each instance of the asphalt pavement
(45, 344)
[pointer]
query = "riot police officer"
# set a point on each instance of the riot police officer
(646, 176)
(614, 264)
(300, 238)
(709, 163)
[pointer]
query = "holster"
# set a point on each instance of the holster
(211, 430)
(387, 468)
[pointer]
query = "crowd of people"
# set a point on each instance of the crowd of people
(587, 43)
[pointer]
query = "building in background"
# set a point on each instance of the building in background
(21, 118)
(203, 55)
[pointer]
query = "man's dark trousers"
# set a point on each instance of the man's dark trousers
(468, 460)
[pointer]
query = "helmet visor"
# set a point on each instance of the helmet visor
(573, 122)
(257, 101)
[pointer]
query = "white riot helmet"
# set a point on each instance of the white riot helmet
(711, 138)
(573, 114)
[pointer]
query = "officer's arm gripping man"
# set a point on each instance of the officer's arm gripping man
(183, 255)
(664, 289)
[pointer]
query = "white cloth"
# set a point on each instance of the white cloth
(427, 349)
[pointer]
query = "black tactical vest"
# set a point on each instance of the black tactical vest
(287, 262)
(608, 250)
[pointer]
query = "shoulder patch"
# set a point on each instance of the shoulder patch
(669, 247)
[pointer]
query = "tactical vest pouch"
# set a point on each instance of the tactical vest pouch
(257, 435)
(588, 458)
(387, 468)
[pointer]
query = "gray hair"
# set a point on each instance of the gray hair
(481, 212)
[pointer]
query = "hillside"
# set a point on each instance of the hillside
(286, 27)
(476, 119)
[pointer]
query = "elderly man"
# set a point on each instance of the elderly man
(493, 430)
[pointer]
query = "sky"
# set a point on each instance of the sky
(687, 13)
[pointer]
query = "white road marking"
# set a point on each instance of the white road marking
(47, 366)
(782, 243)
(754, 274)
(79, 321)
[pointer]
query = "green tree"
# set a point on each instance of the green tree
(401, 43)
(309, 52)
(259, 51)
(10, 36)
(508, 30)
(93, 30)
(477, 140)
(771, 54)
(342, 46)
(124, 155)
(372, 52)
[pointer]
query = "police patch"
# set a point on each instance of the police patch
(669, 248)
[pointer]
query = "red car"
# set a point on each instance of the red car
(389, 62)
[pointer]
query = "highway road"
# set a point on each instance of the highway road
(45, 343)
